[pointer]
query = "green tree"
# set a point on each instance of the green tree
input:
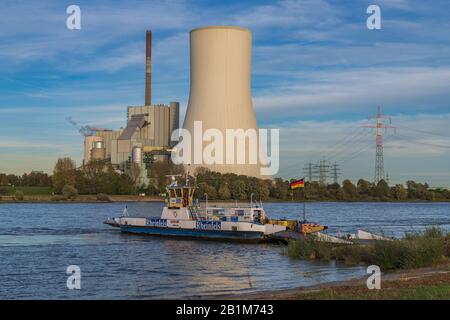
(382, 189)
(263, 189)
(279, 189)
(64, 173)
(133, 171)
(238, 189)
(204, 189)
(335, 191)
(399, 192)
(350, 191)
(224, 192)
(159, 171)
(363, 187)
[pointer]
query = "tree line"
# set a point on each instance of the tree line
(33, 179)
(100, 177)
(229, 186)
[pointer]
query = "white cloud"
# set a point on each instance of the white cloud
(329, 92)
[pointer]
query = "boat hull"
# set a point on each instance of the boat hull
(219, 235)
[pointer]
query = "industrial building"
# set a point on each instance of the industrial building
(220, 97)
(220, 94)
(148, 131)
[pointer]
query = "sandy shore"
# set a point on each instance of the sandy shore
(394, 285)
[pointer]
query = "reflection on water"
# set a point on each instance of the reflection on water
(39, 241)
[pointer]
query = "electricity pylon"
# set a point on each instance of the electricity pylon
(379, 157)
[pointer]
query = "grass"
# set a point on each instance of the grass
(408, 286)
(425, 292)
(415, 250)
(28, 191)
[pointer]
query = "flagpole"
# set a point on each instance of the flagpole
(304, 205)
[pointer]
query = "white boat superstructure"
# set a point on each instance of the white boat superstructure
(183, 217)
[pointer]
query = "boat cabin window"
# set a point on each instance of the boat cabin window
(186, 197)
(218, 212)
(258, 216)
(240, 212)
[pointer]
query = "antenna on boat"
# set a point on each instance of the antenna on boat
(125, 212)
(187, 176)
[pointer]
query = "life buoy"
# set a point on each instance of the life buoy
(175, 214)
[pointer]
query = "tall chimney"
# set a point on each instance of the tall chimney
(148, 70)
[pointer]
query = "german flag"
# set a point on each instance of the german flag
(297, 184)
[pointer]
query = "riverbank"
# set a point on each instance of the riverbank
(425, 283)
(81, 199)
(47, 198)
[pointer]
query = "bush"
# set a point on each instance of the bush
(19, 195)
(70, 192)
(4, 191)
(353, 254)
(103, 197)
(58, 198)
(309, 249)
(416, 250)
(389, 255)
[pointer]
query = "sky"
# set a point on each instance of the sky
(318, 74)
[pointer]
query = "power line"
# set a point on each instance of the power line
(423, 131)
(424, 143)
(337, 147)
(362, 140)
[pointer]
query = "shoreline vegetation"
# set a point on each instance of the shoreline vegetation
(99, 181)
(427, 248)
(414, 267)
(432, 283)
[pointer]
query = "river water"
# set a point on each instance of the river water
(39, 241)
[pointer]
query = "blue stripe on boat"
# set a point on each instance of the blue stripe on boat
(195, 233)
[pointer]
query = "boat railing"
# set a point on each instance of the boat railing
(195, 211)
(231, 206)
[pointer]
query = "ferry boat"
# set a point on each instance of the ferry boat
(182, 217)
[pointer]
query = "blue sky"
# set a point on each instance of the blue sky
(318, 73)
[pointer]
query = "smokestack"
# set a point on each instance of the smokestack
(148, 70)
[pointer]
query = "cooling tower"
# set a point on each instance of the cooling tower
(220, 94)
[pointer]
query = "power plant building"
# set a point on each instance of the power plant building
(148, 130)
(220, 97)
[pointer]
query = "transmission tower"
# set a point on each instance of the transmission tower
(335, 172)
(308, 171)
(379, 158)
(321, 170)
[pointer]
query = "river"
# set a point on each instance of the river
(39, 241)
